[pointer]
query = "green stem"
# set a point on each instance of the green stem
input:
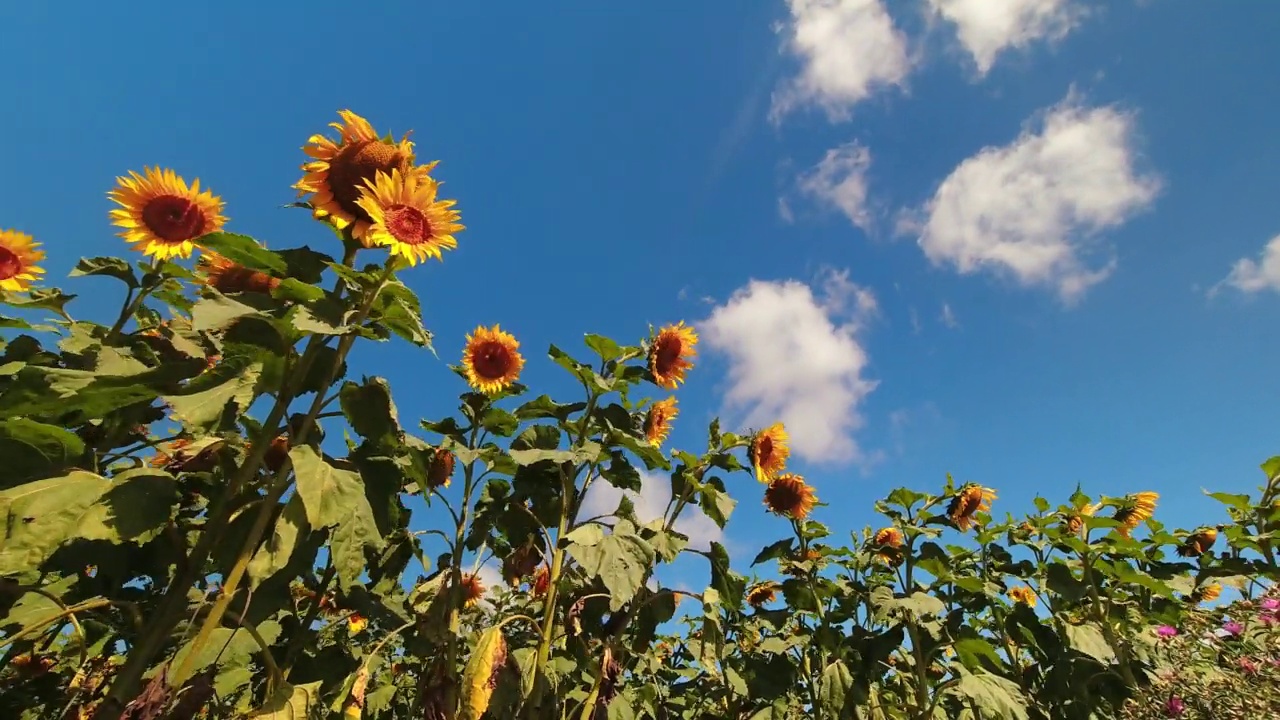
(295, 643)
(1102, 616)
(455, 569)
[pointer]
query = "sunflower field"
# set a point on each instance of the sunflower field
(205, 516)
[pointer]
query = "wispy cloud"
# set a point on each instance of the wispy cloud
(948, 316)
(839, 180)
(987, 28)
(1254, 276)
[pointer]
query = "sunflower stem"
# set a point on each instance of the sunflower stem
(460, 531)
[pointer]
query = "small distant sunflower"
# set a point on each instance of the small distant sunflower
(228, 277)
(762, 593)
(657, 423)
(1139, 507)
(1207, 593)
(342, 169)
(161, 216)
(1022, 594)
(789, 496)
(1198, 542)
(768, 452)
(472, 589)
(669, 354)
(18, 258)
(491, 359)
(971, 499)
(440, 471)
(356, 623)
(408, 218)
(889, 542)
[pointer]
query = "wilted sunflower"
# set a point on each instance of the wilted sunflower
(440, 471)
(789, 496)
(408, 218)
(669, 354)
(1139, 507)
(161, 216)
(1198, 542)
(228, 277)
(657, 423)
(472, 589)
(768, 452)
(342, 169)
(762, 593)
(889, 542)
(1207, 593)
(1022, 594)
(1074, 522)
(971, 499)
(541, 582)
(18, 258)
(491, 359)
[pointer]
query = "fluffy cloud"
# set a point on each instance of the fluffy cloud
(796, 357)
(650, 503)
(1253, 276)
(847, 49)
(1033, 209)
(988, 27)
(840, 180)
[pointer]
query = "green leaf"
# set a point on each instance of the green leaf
(218, 312)
(40, 516)
(33, 450)
(39, 299)
(779, 549)
(398, 309)
(108, 266)
(297, 291)
(919, 605)
(244, 250)
(290, 702)
(607, 349)
(544, 407)
(621, 560)
(589, 451)
(1272, 467)
(370, 409)
(995, 697)
(716, 503)
(135, 508)
(226, 648)
(335, 498)
(834, 688)
(304, 264)
(1088, 639)
(206, 398)
(321, 318)
(1239, 502)
(276, 551)
(35, 608)
(976, 653)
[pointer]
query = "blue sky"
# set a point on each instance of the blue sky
(945, 236)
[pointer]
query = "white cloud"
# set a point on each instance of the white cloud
(988, 27)
(650, 504)
(1033, 208)
(948, 316)
(797, 358)
(840, 180)
(1252, 276)
(847, 48)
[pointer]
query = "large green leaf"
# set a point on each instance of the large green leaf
(108, 266)
(370, 410)
(206, 397)
(33, 450)
(834, 688)
(276, 551)
(1088, 639)
(290, 702)
(398, 310)
(226, 647)
(995, 697)
(40, 516)
(135, 508)
(621, 559)
(34, 608)
(218, 312)
(919, 605)
(335, 498)
(244, 250)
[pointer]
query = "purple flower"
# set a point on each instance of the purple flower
(1271, 604)
(1174, 707)
(1233, 628)
(1166, 631)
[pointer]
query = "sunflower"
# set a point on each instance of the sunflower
(762, 593)
(541, 582)
(343, 169)
(768, 452)
(889, 542)
(789, 496)
(277, 453)
(407, 217)
(1022, 594)
(657, 423)
(440, 469)
(1198, 542)
(472, 589)
(1207, 593)
(669, 354)
(356, 623)
(161, 216)
(521, 562)
(491, 359)
(1139, 507)
(228, 277)
(971, 499)
(18, 258)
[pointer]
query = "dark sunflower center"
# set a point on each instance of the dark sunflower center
(408, 224)
(492, 360)
(10, 263)
(173, 219)
(766, 449)
(359, 162)
(784, 497)
(668, 353)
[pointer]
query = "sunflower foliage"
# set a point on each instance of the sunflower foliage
(209, 514)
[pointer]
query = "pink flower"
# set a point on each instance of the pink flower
(1233, 628)
(1248, 666)
(1174, 707)
(1271, 604)
(1166, 631)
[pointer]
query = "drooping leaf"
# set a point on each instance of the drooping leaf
(39, 516)
(108, 266)
(370, 410)
(33, 450)
(206, 397)
(1088, 639)
(276, 551)
(134, 508)
(997, 698)
(218, 312)
(834, 688)
(620, 559)
(244, 250)
(335, 498)
(227, 647)
(290, 702)
(486, 661)
(398, 310)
